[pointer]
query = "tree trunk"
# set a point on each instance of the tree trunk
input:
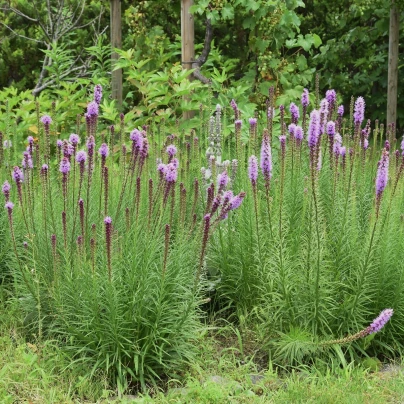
(392, 79)
(187, 43)
(116, 42)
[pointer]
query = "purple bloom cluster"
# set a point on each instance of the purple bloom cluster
(294, 113)
(97, 93)
(18, 175)
(340, 111)
(359, 111)
(252, 122)
(314, 128)
(81, 156)
(298, 134)
(253, 170)
(330, 128)
(171, 173)
(382, 174)
(305, 98)
(46, 120)
(64, 167)
(171, 150)
(222, 181)
(27, 161)
(74, 139)
(6, 190)
(92, 109)
(380, 321)
(103, 150)
(266, 159)
(331, 97)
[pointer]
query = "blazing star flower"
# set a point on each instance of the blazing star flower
(9, 206)
(98, 93)
(271, 112)
(30, 139)
(253, 170)
(365, 144)
(92, 109)
(74, 139)
(64, 167)
(294, 112)
(266, 158)
(18, 175)
(46, 120)
(314, 128)
(252, 121)
(27, 161)
(337, 144)
(340, 110)
(342, 151)
(222, 181)
(171, 150)
(162, 168)
(305, 98)
(59, 143)
(236, 201)
(382, 174)
(359, 110)
(6, 190)
(292, 128)
(81, 156)
(330, 128)
(44, 169)
(233, 105)
(171, 173)
(331, 97)
(380, 321)
(103, 150)
(108, 220)
(90, 145)
(238, 123)
(175, 163)
(299, 133)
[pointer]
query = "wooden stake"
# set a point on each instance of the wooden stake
(116, 42)
(187, 43)
(392, 79)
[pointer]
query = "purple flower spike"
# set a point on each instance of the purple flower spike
(27, 161)
(103, 150)
(74, 139)
(46, 120)
(81, 156)
(171, 173)
(222, 181)
(342, 151)
(340, 111)
(9, 206)
(380, 321)
(30, 140)
(18, 175)
(90, 145)
(314, 128)
(6, 188)
(330, 128)
(292, 128)
(59, 143)
(44, 169)
(162, 169)
(171, 150)
(305, 98)
(98, 93)
(266, 159)
(252, 121)
(253, 170)
(238, 123)
(233, 105)
(236, 201)
(331, 97)
(382, 174)
(294, 112)
(108, 220)
(299, 133)
(359, 114)
(92, 109)
(64, 167)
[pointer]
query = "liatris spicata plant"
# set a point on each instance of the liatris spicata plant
(294, 113)
(108, 241)
(381, 178)
(98, 93)
(64, 168)
(6, 190)
(305, 103)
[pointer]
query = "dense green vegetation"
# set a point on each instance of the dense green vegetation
(263, 235)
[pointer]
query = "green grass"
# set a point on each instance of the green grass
(34, 373)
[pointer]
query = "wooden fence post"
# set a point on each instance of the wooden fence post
(187, 43)
(392, 78)
(116, 42)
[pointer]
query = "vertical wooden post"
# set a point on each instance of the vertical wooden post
(187, 42)
(116, 42)
(392, 78)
